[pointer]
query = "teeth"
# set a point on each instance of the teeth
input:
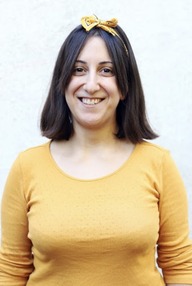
(91, 101)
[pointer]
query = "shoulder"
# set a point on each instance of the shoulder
(156, 156)
(152, 150)
(153, 156)
(34, 158)
(34, 154)
(35, 150)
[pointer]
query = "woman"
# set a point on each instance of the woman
(90, 206)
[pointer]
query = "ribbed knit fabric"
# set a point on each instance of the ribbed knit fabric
(62, 231)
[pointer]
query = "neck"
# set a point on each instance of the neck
(90, 139)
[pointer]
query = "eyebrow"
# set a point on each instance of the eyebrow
(101, 63)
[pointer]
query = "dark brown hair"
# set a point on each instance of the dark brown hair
(131, 116)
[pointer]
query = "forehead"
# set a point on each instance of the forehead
(94, 48)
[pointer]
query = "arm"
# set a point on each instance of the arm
(16, 262)
(174, 244)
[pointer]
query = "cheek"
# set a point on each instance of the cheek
(73, 87)
(70, 87)
(68, 97)
(113, 88)
(69, 91)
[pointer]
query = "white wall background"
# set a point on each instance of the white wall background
(31, 33)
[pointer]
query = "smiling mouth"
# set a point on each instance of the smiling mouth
(90, 101)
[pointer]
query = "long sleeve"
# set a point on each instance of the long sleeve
(174, 245)
(16, 261)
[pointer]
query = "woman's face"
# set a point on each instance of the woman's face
(92, 94)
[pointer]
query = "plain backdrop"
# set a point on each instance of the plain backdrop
(31, 33)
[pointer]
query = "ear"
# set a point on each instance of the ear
(123, 96)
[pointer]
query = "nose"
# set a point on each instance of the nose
(91, 84)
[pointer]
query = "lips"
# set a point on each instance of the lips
(90, 101)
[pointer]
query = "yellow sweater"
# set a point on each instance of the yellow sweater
(61, 231)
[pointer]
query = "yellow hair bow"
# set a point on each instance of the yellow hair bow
(89, 22)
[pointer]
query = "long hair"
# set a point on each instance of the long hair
(131, 116)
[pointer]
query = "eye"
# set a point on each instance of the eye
(79, 70)
(107, 71)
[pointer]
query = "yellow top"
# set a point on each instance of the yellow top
(62, 231)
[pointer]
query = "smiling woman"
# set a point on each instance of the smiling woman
(90, 206)
(131, 119)
(92, 94)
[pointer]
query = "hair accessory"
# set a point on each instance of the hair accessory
(89, 22)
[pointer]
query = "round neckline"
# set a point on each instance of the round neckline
(56, 166)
